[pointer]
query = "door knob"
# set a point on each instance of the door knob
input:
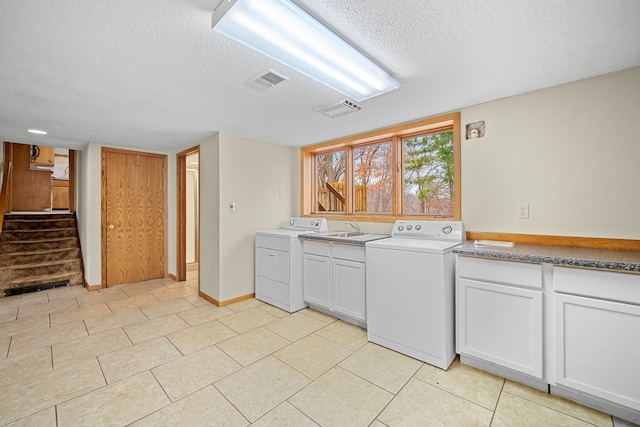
(111, 226)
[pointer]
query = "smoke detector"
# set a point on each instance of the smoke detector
(338, 109)
(266, 80)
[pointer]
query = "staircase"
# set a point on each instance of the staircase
(39, 252)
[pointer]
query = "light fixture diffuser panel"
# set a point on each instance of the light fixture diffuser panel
(283, 31)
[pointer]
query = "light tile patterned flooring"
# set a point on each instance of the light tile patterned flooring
(156, 354)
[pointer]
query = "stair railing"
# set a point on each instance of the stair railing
(3, 193)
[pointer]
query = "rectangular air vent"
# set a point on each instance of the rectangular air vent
(338, 109)
(266, 79)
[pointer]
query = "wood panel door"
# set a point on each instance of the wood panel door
(133, 216)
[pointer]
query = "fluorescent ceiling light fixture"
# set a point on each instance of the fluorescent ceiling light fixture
(37, 131)
(283, 31)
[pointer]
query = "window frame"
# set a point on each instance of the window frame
(308, 201)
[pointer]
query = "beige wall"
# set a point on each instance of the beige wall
(88, 211)
(571, 152)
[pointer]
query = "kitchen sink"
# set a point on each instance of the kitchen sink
(347, 234)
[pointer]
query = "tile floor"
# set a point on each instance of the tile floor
(156, 354)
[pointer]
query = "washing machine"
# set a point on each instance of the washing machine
(410, 282)
(278, 263)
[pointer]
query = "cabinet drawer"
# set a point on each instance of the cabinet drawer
(349, 252)
(509, 272)
(316, 248)
(607, 285)
(273, 243)
(272, 264)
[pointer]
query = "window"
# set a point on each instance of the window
(407, 171)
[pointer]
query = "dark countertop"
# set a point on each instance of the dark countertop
(356, 241)
(605, 259)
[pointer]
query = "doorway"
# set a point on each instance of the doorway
(188, 214)
(133, 216)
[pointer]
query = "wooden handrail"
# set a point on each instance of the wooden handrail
(3, 193)
(335, 192)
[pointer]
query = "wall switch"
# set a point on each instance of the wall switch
(281, 193)
(232, 206)
(523, 211)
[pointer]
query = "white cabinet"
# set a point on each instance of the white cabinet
(334, 279)
(499, 312)
(598, 334)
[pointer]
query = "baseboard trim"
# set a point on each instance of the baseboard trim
(539, 239)
(93, 287)
(227, 302)
(173, 276)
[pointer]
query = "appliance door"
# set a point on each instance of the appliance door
(417, 245)
(410, 300)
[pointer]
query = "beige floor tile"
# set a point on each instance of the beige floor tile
(133, 360)
(559, 404)
(253, 345)
(274, 310)
(39, 309)
(67, 292)
(26, 397)
(513, 410)
(47, 337)
(4, 347)
(8, 314)
(166, 307)
(154, 328)
(245, 305)
(269, 379)
(345, 334)
(24, 299)
(115, 320)
(383, 367)
(479, 387)
(285, 415)
(203, 314)
(312, 355)
(200, 336)
(112, 294)
(79, 313)
(46, 418)
(246, 320)
(339, 398)
(139, 300)
(318, 315)
(377, 423)
(419, 403)
(206, 407)
(173, 293)
(23, 326)
(25, 365)
(92, 345)
(197, 300)
(295, 326)
(187, 374)
(142, 287)
(116, 405)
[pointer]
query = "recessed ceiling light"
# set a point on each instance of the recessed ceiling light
(37, 131)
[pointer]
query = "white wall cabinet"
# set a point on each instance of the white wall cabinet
(597, 339)
(499, 313)
(334, 279)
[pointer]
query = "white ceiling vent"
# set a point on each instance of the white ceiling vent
(266, 79)
(338, 109)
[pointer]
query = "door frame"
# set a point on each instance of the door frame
(103, 203)
(181, 213)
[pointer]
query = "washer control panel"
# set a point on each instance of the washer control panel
(307, 224)
(438, 230)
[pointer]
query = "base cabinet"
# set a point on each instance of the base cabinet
(598, 341)
(499, 313)
(334, 279)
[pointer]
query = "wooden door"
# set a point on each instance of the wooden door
(133, 216)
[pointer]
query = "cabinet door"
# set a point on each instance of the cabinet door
(316, 280)
(598, 348)
(500, 324)
(349, 288)
(47, 156)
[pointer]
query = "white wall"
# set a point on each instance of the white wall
(210, 217)
(88, 210)
(571, 152)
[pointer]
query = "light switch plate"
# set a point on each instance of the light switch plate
(523, 211)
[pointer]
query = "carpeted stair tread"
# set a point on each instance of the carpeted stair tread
(34, 225)
(30, 257)
(19, 272)
(22, 246)
(31, 235)
(74, 277)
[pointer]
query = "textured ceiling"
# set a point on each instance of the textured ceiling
(151, 74)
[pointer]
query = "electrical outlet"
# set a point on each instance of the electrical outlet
(523, 211)
(281, 194)
(232, 206)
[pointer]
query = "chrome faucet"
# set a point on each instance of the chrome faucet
(354, 224)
